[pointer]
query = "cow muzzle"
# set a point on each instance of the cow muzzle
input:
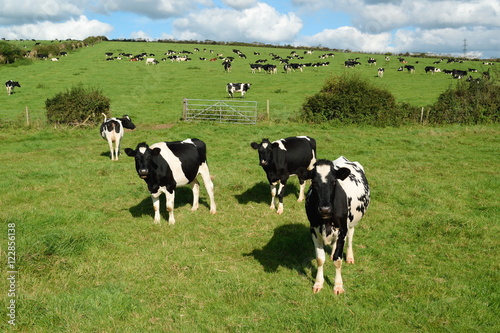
(143, 173)
(325, 211)
(263, 163)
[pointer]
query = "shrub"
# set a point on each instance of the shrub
(473, 102)
(349, 99)
(77, 106)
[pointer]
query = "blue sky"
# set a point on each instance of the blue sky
(398, 26)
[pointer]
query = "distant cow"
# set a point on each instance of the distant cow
(10, 85)
(151, 61)
(337, 199)
(380, 72)
(166, 165)
(231, 88)
(112, 131)
(283, 158)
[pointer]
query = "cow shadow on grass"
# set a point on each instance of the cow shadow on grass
(261, 192)
(183, 197)
(290, 247)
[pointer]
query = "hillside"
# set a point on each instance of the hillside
(155, 92)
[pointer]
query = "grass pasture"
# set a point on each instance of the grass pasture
(155, 93)
(89, 259)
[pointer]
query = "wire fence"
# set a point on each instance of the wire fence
(24, 117)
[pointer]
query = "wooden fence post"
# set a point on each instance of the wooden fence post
(184, 108)
(27, 117)
(268, 116)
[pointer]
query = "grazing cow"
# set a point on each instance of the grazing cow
(166, 165)
(151, 61)
(282, 159)
(112, 131)
(410, 68)
(432, 69)
(231, 88)
(380, 72)
(10, 85)
(227, 66)
(337, 199)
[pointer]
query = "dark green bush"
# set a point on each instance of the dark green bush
(77, 106)
(349, 99)
(473, 102)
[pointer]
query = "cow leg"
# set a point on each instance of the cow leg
(117, 148)
(320, 260)
(170, 206)
(338, 288)
(209, 185)
(273, 195)
(302, 188)
(281, 194)
(156, 207)
(196, 194)
(337, 261)
(350, 253)
(111, 149)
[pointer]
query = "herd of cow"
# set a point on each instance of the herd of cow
(337, 198)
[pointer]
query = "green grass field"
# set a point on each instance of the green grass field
(155, 93)
(89, 258)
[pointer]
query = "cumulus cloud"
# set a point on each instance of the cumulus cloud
(80, 28)
(240, 4)
(156, 9)
(350, 38)
(260, 23)
(31, 11)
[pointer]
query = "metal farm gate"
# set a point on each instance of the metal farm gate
(231, 111)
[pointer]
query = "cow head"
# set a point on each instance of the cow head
(265, 149)
(324, 184)
(144, 163)
(127, 122)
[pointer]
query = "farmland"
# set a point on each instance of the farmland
(89, 258)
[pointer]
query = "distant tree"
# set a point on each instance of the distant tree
(9, 53)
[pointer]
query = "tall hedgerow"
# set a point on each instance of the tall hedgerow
(349, 99)
(77, 105)
(470, 102)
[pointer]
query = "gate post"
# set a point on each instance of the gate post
(184, 108)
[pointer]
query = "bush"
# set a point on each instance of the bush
(349, 99)
(473, 102)
(77, 106)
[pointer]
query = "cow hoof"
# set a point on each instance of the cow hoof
(350, 260)
(213, 211)
(317, 288)
(338, 290)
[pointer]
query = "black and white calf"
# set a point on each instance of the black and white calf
(283, 158)
(337, 199)
(10, 86)
(231, 88)
(166, 165)
(112, 130)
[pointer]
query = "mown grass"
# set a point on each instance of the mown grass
(90, 259)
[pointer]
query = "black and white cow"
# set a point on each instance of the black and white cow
(231, 88)
(112, 130)
(10, 86)
(166, 165)
(283, 158)
(337, 199)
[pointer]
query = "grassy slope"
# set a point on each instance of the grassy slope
(155, 93)
(90, 258)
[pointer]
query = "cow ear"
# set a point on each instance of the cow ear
(156, 151)
(342, 173)
(130, 152)
(254, 145)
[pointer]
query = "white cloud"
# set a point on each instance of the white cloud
(31, 11)
(74, 29)
(260, 23)
(156, 9)
(240, 4)
(350, 38)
